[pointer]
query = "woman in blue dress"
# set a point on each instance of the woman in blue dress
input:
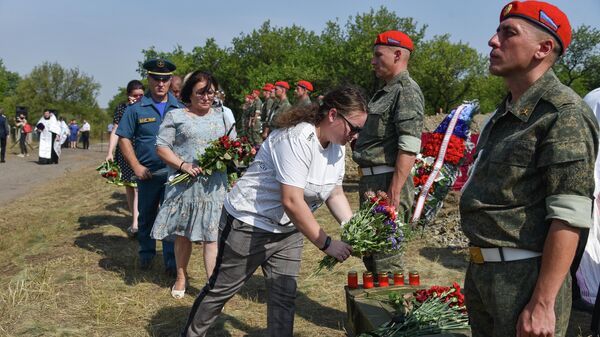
(190, 211)
(73, 129)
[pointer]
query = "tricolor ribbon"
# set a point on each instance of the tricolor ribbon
(437, 165)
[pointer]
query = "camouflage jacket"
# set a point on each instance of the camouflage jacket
(304, 101)
(394, 122)
(265, 109)
(278, 107)
(534, 163)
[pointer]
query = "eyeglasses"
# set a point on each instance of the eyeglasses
(205, 93)
(353, 128)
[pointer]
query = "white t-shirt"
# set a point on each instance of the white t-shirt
(292, 156)
(85, 127)
(230, 120)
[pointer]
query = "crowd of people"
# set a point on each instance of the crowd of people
(525, 209)
(53, 133)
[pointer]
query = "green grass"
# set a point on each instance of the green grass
(68, 269)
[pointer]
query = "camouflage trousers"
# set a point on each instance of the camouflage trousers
(255, 133)
(497, 292)
(381, 182)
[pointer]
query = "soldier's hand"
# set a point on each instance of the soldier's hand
(536, 319)
(339, 250)
(142, 172)
(393, 196)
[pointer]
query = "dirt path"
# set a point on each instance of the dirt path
(20, 176)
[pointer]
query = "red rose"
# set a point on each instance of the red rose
(237, 144)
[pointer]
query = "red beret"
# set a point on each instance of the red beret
(283, 84)
(543, 15)
(306, 85)
(268, 87)
(394, 38)
(249, 97)
(255, 91)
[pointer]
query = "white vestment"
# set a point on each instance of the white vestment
(51, 125)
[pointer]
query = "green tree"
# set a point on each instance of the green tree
(578, 67)
(70, 91)
(446, 72)
(360, 32)
(8, 84)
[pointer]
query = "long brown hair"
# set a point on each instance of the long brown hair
(344, 99)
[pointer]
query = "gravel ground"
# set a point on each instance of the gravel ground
(20, 176)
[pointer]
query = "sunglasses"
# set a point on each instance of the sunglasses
(353, 128)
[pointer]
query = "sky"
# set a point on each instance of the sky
(105, 39)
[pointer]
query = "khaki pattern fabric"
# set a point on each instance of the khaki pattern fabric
(278, 107)
(535, 162)
(496, 293)
(394, 122)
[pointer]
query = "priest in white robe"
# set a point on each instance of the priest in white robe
(49, 130)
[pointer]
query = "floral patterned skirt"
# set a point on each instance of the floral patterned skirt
(192, 209)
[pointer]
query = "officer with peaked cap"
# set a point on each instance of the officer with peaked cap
(386, 148)
(531, 189)
(141, 122)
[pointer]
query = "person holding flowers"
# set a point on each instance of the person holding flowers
(531, 188)
(268, 212)
(190, 211)
(135, 91)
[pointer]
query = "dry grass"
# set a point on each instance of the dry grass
(68, 269)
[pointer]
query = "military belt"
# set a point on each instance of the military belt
(371, 171)
(502, 254)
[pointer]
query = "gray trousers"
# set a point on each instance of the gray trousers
(242, 249)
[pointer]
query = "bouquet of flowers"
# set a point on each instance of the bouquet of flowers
(425, 312)
(438, 165)
(111, 171)
(222, 154)
(373, 229)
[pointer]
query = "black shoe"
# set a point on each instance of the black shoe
(145, 264)
(2, 161)
(171, 272)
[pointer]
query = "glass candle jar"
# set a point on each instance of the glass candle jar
(367, 280)
(352, 279)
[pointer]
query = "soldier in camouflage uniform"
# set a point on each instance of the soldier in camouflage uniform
(266, 106)
(255, 124)
(387, 146)
(531, 187)
(303, 90)
(280, 105)
(245, 117)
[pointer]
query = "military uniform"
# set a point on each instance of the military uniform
(304, 101)
(534, 163)
(265, 109)
(256, 129)
(141, 122)
(394, 122)
(279, 106)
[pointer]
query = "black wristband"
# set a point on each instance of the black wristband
(327, 243)
(180, 165)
